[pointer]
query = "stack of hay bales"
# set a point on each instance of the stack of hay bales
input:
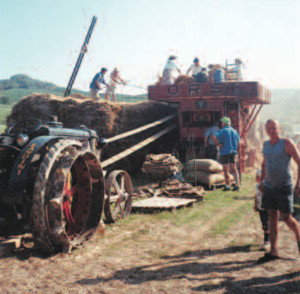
(184, 79)
(206, 172)
(108, 119)
(161, 167)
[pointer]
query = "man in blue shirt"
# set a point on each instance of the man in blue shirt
(228, 140)
(95, 84)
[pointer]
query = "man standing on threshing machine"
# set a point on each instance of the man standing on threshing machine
(114, 80)
(219, 76)
(195, 68)
(277, 185)
(170, 67)
(228, 140)
(95, 85)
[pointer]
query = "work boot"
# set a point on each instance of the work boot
(265, 246)
(236, 188)
(226, 188)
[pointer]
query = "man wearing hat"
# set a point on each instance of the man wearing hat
(228, 139)
(170, 67)
(95, 85)
(195, 68)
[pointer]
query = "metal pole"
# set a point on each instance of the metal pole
(80, 57)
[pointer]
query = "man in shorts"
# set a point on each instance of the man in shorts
(115, 79)
(95, 85)
(277, 185)
(228, 140)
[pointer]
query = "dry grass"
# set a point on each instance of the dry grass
(212, 247)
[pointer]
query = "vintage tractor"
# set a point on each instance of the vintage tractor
(52, 183)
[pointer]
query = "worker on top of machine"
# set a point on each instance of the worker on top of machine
(115, 79)
(202, 76)
(195, 68)
(219, 76)
(95, 85)
(170, 67)
(211, 69)
(239, 69)
(228, 140)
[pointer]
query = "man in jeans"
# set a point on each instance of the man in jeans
(228, 140)
(277, 185)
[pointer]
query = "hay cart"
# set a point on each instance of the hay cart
(52, 183)
(200, 105)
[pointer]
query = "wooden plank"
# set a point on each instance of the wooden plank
(138, 130)
(161, 203)
(9, 245)
(136, 147)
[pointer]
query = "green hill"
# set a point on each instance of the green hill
(18, 86)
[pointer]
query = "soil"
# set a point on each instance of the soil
(166, 258)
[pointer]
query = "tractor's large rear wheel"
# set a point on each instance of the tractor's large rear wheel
(68, 197)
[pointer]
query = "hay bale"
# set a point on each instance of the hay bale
(207, 165)
(108, 119)
(184, 79)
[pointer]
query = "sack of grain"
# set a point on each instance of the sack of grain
(207, 165)
(206, 178)
(161, 166)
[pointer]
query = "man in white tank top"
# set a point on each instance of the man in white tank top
(276, 185)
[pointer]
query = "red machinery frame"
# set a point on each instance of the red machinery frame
(241, 101)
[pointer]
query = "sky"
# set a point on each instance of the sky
(42, 38)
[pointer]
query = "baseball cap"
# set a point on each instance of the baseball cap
(226, 120)
(172, 57)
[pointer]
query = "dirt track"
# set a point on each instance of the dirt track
(154, 254)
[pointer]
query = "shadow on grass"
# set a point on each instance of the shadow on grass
(177, 267)
(209, 252)
(287, 283)
(243, 198)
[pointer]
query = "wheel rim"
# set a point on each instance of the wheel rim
(118, 196)
(80, 186)
(68, 197)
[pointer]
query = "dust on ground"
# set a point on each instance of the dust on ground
(164, 254)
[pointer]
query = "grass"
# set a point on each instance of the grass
(218, 212)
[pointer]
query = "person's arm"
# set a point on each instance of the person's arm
(189, 69)
(291, 149)
(216, 141)
(205, 141)
(179, 71)
(98, 84)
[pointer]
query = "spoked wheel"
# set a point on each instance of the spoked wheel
(118, 196)
(68, 198)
